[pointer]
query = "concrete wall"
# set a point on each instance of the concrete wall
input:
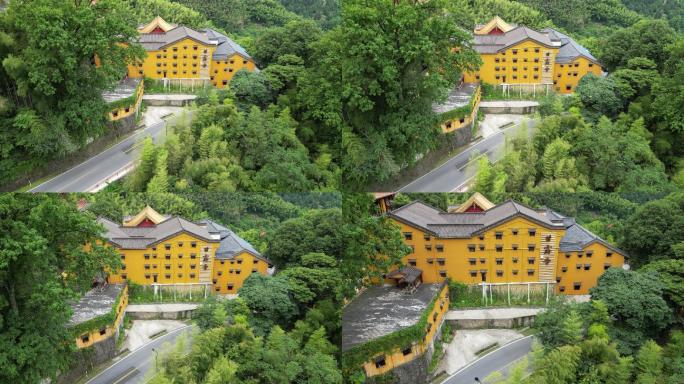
(169, 102)
(516, 322)
(124, 125)
(168, 315)
(508, 109)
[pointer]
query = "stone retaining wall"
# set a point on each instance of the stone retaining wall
(518, 110)
(86, 359)
(167, 315)
(515, 322)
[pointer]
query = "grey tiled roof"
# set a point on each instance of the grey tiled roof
(156, 41)
(143, 237)
(570, 49)
(576, 238)
(496, 43)
(231, 244)
(409, 273)
(381, 310)
(123, 89)
(465, 225)
(226, 47)
(96, 302)
(458, 97)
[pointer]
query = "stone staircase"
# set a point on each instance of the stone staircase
(547, 257)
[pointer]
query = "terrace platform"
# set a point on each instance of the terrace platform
(458, 97)
(96, 302)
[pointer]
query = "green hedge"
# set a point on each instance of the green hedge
(360, 354)
(127, 101)
(100, 321)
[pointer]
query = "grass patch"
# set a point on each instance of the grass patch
(470, 296)
(487, 349)
(142, 294)
(153, 86)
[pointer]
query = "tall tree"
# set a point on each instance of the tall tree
(376, 77)
(374, 244)
(44, 264)
(651, 233)
(646, 38)
(57, 57)
(649, 363)
(635, 301)
(270, 301)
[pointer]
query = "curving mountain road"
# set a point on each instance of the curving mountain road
(134, 367)
(458, 170)
(94, 173)
(498, 360)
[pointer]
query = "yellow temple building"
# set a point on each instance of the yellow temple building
(184, 54)
(506, 243)
(516, 56)
(170, 250)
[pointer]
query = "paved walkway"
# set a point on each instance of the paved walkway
(491, 313)
(167, 307)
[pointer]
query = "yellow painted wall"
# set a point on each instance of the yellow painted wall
(597, 261)
(185, 54)
(223, 70)
(235, 272)
(128, 110)
(95, 336)
(397, 357)
(458, 256)
(220, 71)
(514, 68)
(567, 76)
(454, 124)
(180, 262)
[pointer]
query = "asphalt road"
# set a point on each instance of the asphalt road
(87, 175)
(499, 360)
(459, 169)
(134, 367)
